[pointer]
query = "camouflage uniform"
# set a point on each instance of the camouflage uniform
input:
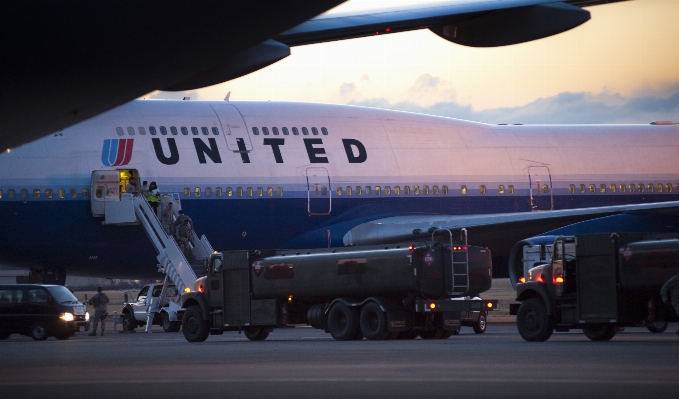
(99, 302)
(183, 236)
(166, 217)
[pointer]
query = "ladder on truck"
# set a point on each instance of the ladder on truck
(460, 262)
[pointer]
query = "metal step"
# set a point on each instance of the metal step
(198, 268)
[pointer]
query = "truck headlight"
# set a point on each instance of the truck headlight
(67, 317)
(87, 316)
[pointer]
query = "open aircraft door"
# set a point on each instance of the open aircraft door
(319, 194)
(105, 188)
(233, 126)
(540, 181)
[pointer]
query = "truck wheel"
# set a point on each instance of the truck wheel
(256, 334)
(600, 332)
(432, 334)
(129, 323)
(374, 322)
(657, 326)
(39, 332)
(480, 325)
(343, 322)
(194, 327)
(170, 326)
(532, 321)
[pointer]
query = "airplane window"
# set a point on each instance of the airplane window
(571, 188)
(510, 189)
(397, 190)
(60, 193)
(204, 130)
(623, 188)
(425, 190)
(260, 191)
(482, 189)
(435, 190)
(48, 194)
(545, 189)
(500, 189)
(444, 190)
(174, 130)
(632, 188)
(660, 187)
(184, 130)
(582, 189)
(152, 130)
(358, 190)
(314, 131)
(641, 187)
(324, 131)
(11, 193)
(676, 188)
(0, 194)
(194, 130)
(285, 131)
(378, 190)
(295, 131)
(142, 131)
(208, 191)
(229, 192)
(215, 130)
(324, 190)
(239, 191)
(669, 187)
(269, 191)
(463, 190)
(130, 131)
(218, 191)
(255, 131)
(612, 187)
(367, 190)
(265, 131)
(187, 192)
(73, 193)
(274, 130)
(338, 191)
(651, 187)
(85, 193)
(406, 190)
(280, 191)
(250, 191)
(120, 132)
(349, 190)
(163, 131)
(36, 193)
(387, 190)
(305, 131)
(592, 188)
(196, 191)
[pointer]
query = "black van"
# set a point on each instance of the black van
(39, 311)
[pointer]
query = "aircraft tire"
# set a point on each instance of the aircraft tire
(343, 322)
(532, 321)
(193, 326)
(600, 332)
(374, 322)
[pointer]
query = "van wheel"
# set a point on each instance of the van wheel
(194, 327)
(39, 332)
(600, 332)
(480, 325)
(129, 323)
(4, 335)
(256, 334)
(657, 326)
(343, 322)
(532, 321)
(374, 322)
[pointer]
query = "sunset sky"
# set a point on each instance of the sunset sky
(622, 66)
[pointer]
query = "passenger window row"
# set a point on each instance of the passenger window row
(49, 193)
(483, 189)
(623, 188)
(173, 130)
(286, 132)
(230, 192)
(387, 191)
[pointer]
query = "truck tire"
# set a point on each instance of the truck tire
(600, 332)
(657, 326)
(39, 331)
(256, 334)
(532, 321)
(129, 323)
(194, 327)
(480, 325)
(373, 322)
(343, 322)
(170, 326)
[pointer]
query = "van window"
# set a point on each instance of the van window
(13, 295)
(37, 295)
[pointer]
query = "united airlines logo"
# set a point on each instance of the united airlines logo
(117, 152)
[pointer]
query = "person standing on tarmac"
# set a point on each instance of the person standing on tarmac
(99, 301)
(670, 292)
(153, 197)
(166, 218)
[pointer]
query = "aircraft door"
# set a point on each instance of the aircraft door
(233, 126)
(319, 194)
(540, 183)
(105, 187)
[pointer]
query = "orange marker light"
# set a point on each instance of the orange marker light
(187, 289)
(200, 288)
(411, 248)
(559, 279)
(489, 305)
(290, 298)
(432, 306)
(522, 279)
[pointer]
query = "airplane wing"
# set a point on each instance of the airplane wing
(476, 23)
(499, 231)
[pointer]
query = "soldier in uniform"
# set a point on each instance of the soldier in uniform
(99, 301)
(670, 293)
(184, 231)
(166, 218)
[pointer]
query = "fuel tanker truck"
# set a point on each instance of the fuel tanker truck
(376, 292)
(600, 283)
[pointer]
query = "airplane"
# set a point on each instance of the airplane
(264, 175)
(66, 62)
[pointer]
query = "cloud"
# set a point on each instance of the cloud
(347, 88)
(365, 77)
(563, 108)
(429, 89)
